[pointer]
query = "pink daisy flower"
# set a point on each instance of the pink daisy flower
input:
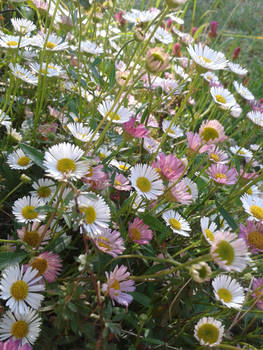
(195, 142)
(138, 131)
(222, 174)
(169, 167)
(12, 344)
(121, 183)
(216, 155)
(212, 132)
(117, 283)
(180, 193)
(96, 178)
(31, 234)
(258, 292)
(247, 176)
(110, 242)
(48, 265)
(252, 234)
(139, 232)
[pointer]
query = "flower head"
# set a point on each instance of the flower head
(209, 331)
(252, 233)
(12, 344)
(207, 58)
(157, 60)
(228, 291)
(18, 160)
(176, 223)
(138, 131)
(48, 265)
(253, 205)
(258, 292)
(169, 167)
(139, 232)
(24, 209)
(212, 132)
(31, 234)
(221, 174)
(110, 242)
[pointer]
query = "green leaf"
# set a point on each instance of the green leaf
(33, 153)
(229, 219)
(155, 224)
(141, 298)
(10, 258)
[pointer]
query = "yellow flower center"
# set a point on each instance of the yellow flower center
(207, 60)
(255, 238)
(23, 161)
(40, 264)
(175, 224)
(225, 252)
(90, 214)
(209, 235)
(123, 167)
(29, 212)
(102, 155)
(19, 290)
(114, 116)
(220, 99)
(117, 183)
(90, 172)
(256, 211)
(136, 235)
(19, 329)
(208, 333)
(12, 43)
(158, 57)
(143, 184)
(224, 295)
(220, 176)
(241, 152)
(32, 238)
(51, 45)
(209, 133)
(116, 285)
(249, 191)
(66, 165)
(215, 157)
(43, 191)
(103, 242)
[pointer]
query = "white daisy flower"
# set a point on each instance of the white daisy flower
(237, 69)
(24, 209)
(223, 97)
(28, 53)
(20, 288)
(90, 48)
(44, 189)
(192, 188)
(54, 43)
(206, 57)
(180, 71)
(176, 223)
(256, 117)
(150, 144)
(25, 327)
(23, 25)
(174, 131)
(81, 132)
(50, 70)
(120, 165)
(209, 331)
(5, 119)
(210, 77)
(208, 229)
(243, 152)
(62, 162)
(136, 16)
(243, 91)
(119, 116)
(236, 110)
(23, 74)
(228, 291)
(96, 214)
(146, 181)
(176, 19)
(18, 160)
(163, 36)
(12, 42)
(253, 205)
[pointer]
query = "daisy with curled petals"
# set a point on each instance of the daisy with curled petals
(222, 174)
(22, 25)
(243, 91)
(253, 205)
(96, 214)
(119, 116)
(211, 132)
(146, 181)
(169, 167)
(110, 242)
(24, 209)
(207, 58)
(210, 77)
(176, 223)
(209, 331)
(23, 74)
(229, 252)
(236, 110)
(21, 289)
(62, 162)
(22, 327)
(208, 229)
(139, 232)
(18, 160)
(252, 233)
(237, 69)
(228, 291)
(117, 284)
(256, 117)
(48, 265)
(81, 132)
(12, 344)
(223, 97)
(44, 189)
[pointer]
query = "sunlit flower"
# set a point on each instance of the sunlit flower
(44, 189)
(90, 48)
(209, 331)
(157, 60)
(243, 91)
(118, 116)
(212, 131)
(48, 265)
(139, 232)
(256, 117)
(173, 131)
(163, 36)
(176, 223)
(13, 42)
(253, 205)
(208, 229)
(216, 155)
(223, 97)
(24, 209)
(237, 69)
(210, 76)
(50, 70)
(18, 160)
(136, 16)
(117, 284)
(81, 132)
(222, 174)
(241, 151)
(169, 167)
(23, 25)
(52, 43)
(252, 233)
(180, 193)
(110, 242)
(228, 291)
(206, 57)
(23, 74)
(236, 110)
(121, 183)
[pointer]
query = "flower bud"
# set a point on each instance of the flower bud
(157, 60)
(200, 272)
(26, 179)
(139, 34)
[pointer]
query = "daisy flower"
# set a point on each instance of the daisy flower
(228, 291)
(12, 42)
(209, 331)
(123, 166)
(223, 97)
(23, 327)
(216, 155)
(62, 162)
(119, 116)
(90, 48)
(252, 234)
(52, 43)
(256, 117)
(12, 344)
(136, 16)
(253, 205)
(243, 91)
(150, 144)
(96, 214)
(117, 284)
(121, 183)
(24, 209)
(50, 70)
(4, 119)
(20, 288)
(110, 242)
(173, 131)
(208, 229)
(169, 167)
(133, 130)
(139, 232)
(258, 291)
(47, 265)
(44, 189)
(23, 74)
(229, 252)
(237, 69)
(210, 77)
(222, 174)
(207, 58)
(81, 132)
(236, 110)
(200, 272)
(18, 160)
(31, 234)
(212, 131)
(180, 193)
(191, 188)
(22, 25)
(176, 223)
(146, 181)
(163, 36)
(241, 151)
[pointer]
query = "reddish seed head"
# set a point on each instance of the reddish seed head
(236, 53)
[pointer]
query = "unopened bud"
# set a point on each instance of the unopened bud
(200, 272)
(26, 179)
(139, 34)
(157, 60)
